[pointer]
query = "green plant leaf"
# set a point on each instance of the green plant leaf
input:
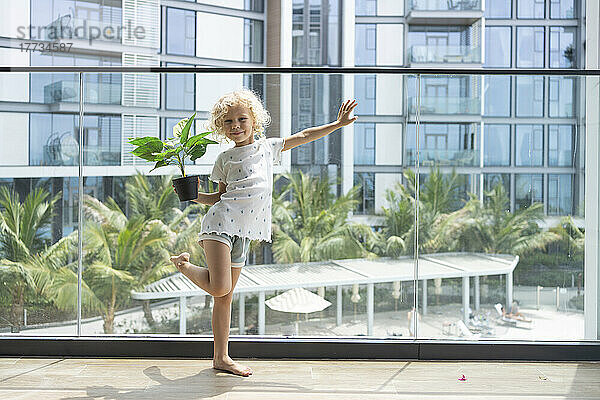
(195, 139)
(186, 130)
(150, 151)
(160, 163)
(197, 151)
(143, 140)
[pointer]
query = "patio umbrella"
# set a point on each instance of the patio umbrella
(297, 300)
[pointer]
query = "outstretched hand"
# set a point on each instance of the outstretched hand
(345, 111)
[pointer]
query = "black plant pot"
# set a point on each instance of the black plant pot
(186, 187)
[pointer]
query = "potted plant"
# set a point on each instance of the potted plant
(174, 152)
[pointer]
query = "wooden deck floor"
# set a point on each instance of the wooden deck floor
(165, 379)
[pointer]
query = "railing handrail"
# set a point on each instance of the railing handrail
(307, 70)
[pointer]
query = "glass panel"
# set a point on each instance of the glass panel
(366, 7)
(498, 9)
(497, 96)
(181, 32)
(530, 96)
(365, 93)
(529, 190)
(562, 9)
(560, 194)
(562, 47)
(530, 47)
(364, 144)
(530, 8)
(443, 144)
(529, 145)
(496, 144)
(365, 44)
(560, 145)
(442, 5)
(445, 95)
(498, 45)
(180, 90)
(561, 93)
(443, 44)
(39, 208)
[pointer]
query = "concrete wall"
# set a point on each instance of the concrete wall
(390, 49)
(388, 144)
(12, 17)
(388, 98)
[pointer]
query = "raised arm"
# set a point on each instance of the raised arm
(317, 132)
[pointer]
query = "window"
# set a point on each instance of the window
(497, 46)
(533, 9)
(443, 144)
(498, 8)
(54, 139)
(560, 194)
(530, 47)
(253, 41)
(490, 181)
(561, 94)
(560, 145)
(366, 202)
(315, 32)
(496, 144)
(364, 144)
(181, 32)
(497, 96)
(365, 92)
(562, 47)
(529, 146)
(180, 90)
(365, 44)
(366, 7)
(562, 9)
(530, 96)
(528, 190)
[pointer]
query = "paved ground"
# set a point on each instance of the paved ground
(165, 379)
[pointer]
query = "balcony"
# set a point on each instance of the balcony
(443, 12)
(445, 105)
(444, 55)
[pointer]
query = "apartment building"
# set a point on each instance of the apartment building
(524, 132)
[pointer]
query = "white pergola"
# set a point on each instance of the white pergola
(268, 278)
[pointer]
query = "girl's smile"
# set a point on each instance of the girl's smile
(238, 125)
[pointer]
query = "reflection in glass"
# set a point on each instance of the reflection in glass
(530, 96)
(498, 8)
(561, 94)
(445, 95)
(443, 144)
(490, 181)
(366, 7)
(497, 96)
(562, 9)
(562, 47)
(364, 144)
(497, 46)
(529, 145)
(496, 144)
(180, 90)
(181, 32)
(530, 47)
(528, 190)
(365, 44)
(560, 194)
(365, 93)
(531, 8)
(560, 145)
(253, 40)
(366, 197)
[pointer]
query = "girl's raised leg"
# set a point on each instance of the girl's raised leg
(216, 279)
(221, 321)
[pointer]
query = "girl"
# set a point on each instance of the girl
(241, 209)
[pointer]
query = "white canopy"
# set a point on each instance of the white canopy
(297, 300)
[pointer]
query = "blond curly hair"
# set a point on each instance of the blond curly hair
(246, 98)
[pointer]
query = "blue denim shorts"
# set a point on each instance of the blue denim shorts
(238, 246)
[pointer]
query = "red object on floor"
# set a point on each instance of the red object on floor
(463, 378)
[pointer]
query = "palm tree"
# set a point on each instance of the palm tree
(492, 228)
(313, 226)
(114, 248)
(22, 226)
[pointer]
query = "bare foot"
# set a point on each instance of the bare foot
(180, 260)
(227, 364)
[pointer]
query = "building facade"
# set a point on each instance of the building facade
(524, 132)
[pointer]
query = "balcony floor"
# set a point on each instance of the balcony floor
(181, 379)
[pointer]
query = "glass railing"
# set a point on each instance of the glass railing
(444, 105)
(444, 5)
(500, 246)
(445, 54)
